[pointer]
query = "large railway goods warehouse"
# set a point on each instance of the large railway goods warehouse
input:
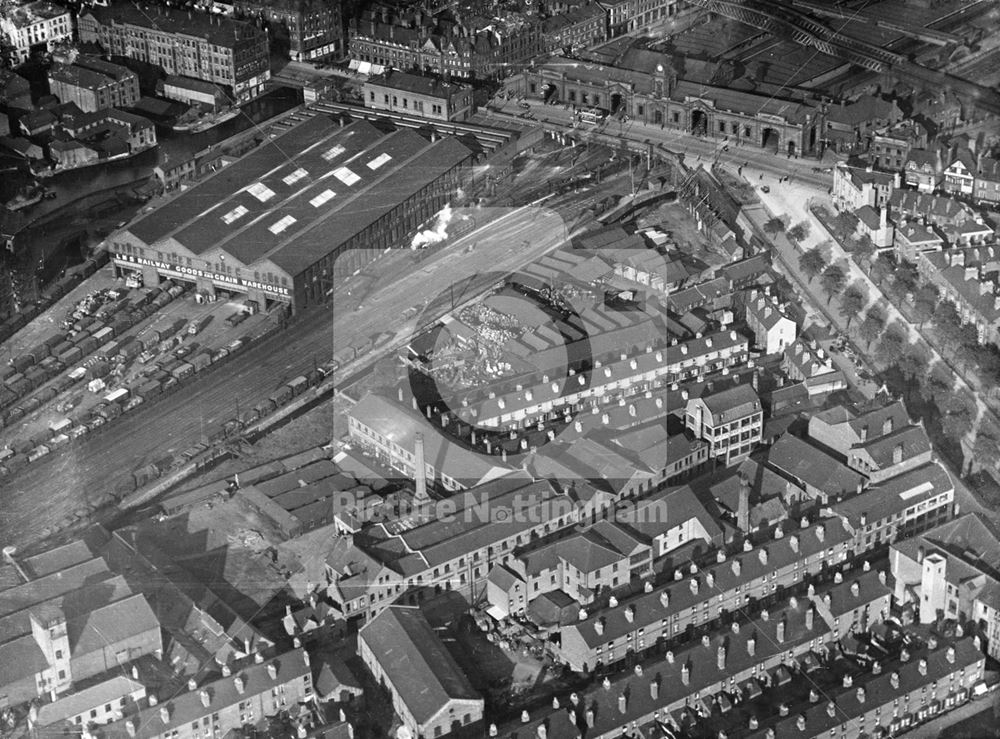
(318, 202)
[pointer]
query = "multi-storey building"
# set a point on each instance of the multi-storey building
(730, 421)
(314, 28)
(987, 184)
(891, 147)
(578, 27)
(656, 96)
(802, 360)
(950, 572)
(729, 659)
(429, 691)
(579, 565)
(459, 548)
(891, 699)
(947, 213)
(390, 431)
(701, 596)
(960, 174)
(963, 278)
(94, 84)
(74, 619)
(923, 169)
(204, 46)
(136, 132)
(444, 44)
(853, 603)
(35, 23)
(245, 693)
(910, 240)
(414, 94)
(854, 187)
(609, 381)
(817, 475)
(619, 14)
(100, 703)
(901, 506)
(880, 443)
(773, 330)
(850, 125)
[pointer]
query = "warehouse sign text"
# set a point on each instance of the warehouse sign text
(177, 270)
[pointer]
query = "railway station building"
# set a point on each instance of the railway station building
(651, 92)
(280, 224)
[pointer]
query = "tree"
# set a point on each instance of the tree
(940, 383)
(925, 302)
(986, 447)
(882, 267)
(947, 321)
(871, 328)
(774, 226)
(799, 232)
(906, 277)
(958, 412)
(811, 263)
(844, 224)
(863, 249)
(854, 300)
(891, 346)
(914, 363)
(833, 281)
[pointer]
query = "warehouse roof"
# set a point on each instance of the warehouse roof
(298, 197)
(416, 661)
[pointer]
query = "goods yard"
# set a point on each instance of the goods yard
(107, 353)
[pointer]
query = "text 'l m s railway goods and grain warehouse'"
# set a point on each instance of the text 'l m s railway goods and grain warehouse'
(280, 226)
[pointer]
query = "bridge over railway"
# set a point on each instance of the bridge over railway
(795, 23)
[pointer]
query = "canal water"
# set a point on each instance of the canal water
(95, 199)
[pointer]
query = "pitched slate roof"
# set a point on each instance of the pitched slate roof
(184, 708)
(416, 661)
(912, 439)
(648, 608)
(878, 691)
(813, 466)
(735, 402)
(988, 169)
(703, 667)
(76, 703)
(896, 494)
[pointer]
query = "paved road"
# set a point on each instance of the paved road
(792, 199)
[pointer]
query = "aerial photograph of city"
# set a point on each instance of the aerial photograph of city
(488, 369)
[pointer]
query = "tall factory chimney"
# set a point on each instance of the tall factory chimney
(420, 475)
